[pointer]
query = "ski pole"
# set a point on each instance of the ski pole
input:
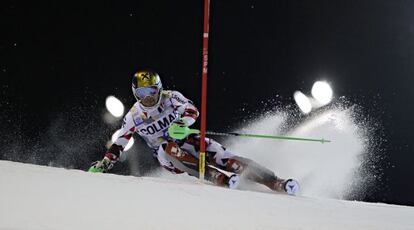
(180, 132)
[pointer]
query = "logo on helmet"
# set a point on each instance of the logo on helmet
(145, 76)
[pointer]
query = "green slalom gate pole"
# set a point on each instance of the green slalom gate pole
(180, 132)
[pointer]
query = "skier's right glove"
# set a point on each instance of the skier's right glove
(104, 165)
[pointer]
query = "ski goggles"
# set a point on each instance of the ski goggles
(146, 91)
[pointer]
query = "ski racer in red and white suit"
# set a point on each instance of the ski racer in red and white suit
(150, 118)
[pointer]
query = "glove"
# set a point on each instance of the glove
(104, 165)
(180, 123)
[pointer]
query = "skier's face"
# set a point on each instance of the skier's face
(149, 100)
(147, 96)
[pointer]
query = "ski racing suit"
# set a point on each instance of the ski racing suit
(180, 156)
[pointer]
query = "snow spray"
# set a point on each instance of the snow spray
(333, 170)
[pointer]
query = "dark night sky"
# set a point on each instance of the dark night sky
(58, 60)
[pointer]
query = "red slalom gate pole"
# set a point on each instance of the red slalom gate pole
(202, 156)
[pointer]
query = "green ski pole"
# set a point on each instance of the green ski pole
(180, 132)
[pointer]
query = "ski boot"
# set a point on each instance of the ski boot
(219, 178)
(289, 186)
(257, 173)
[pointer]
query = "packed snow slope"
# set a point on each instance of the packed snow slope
(39, 197)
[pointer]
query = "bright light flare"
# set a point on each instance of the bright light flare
(114, 106)
(130, 142)
(303, 102)
(322, 92)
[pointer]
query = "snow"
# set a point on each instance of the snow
(330, 170)
(40, 197)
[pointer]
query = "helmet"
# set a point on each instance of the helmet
(147, 88)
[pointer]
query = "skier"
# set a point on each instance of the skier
(150, 117)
